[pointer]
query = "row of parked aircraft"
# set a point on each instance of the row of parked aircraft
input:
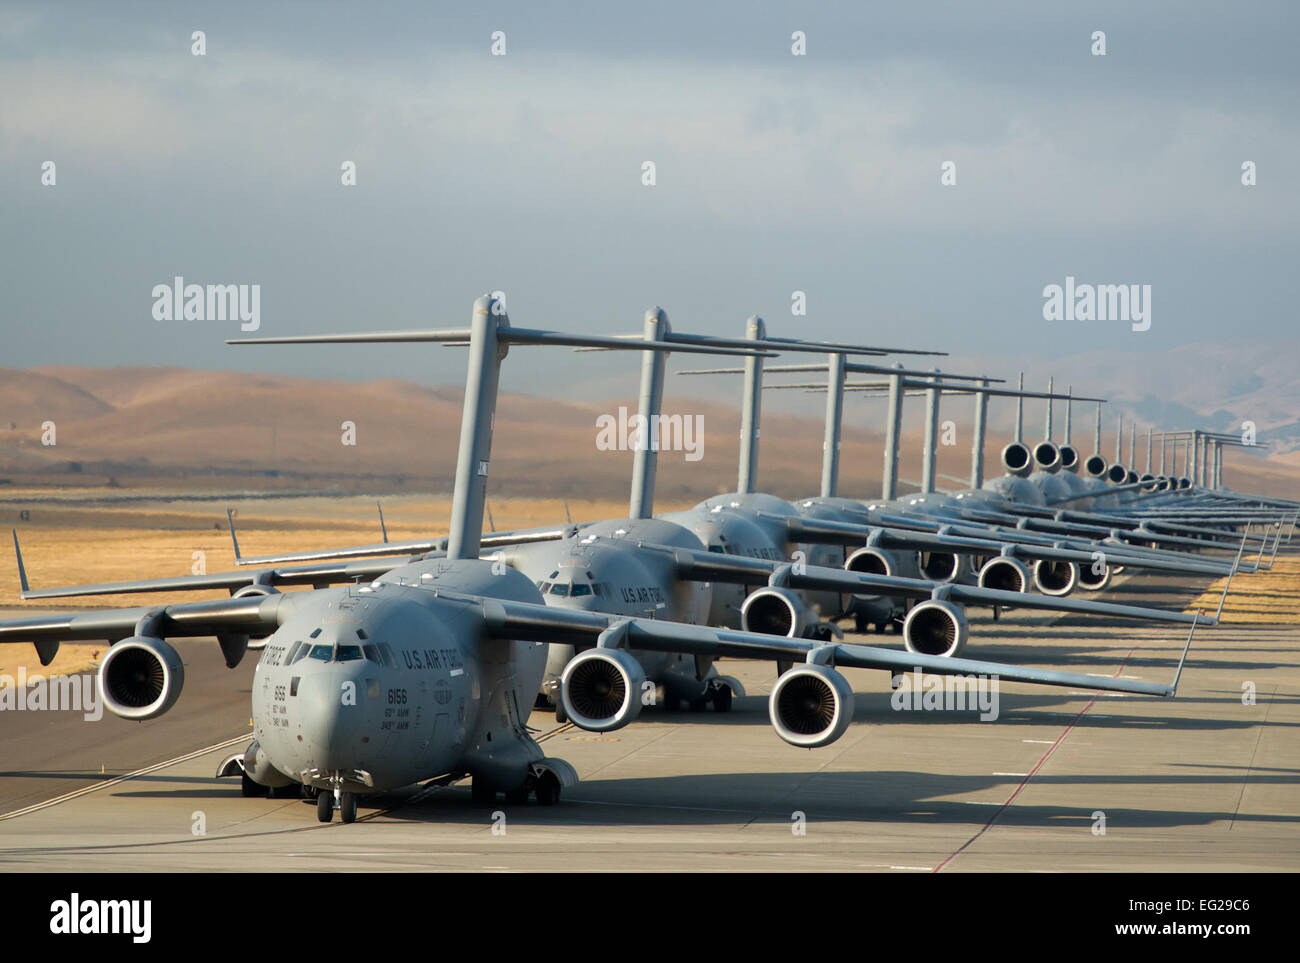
(401, 662)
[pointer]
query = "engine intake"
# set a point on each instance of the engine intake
(1090, 580)
(1055, 578)
(1047, 457)
(811, 706)
(939, 566)
(141, 678)
(935, 628)
(1016, 460)
(601, 689)
(777, 611)
(1005, 574)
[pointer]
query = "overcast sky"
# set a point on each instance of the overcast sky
(523, 172)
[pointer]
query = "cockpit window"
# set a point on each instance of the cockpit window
(386, 651)
(561, 589)
(599, 589)
(372, 653)
(293, 651)
(717, 549)
(348, 653)
(322, 653)
(581, 588)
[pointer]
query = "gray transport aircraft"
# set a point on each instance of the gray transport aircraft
(426, 671)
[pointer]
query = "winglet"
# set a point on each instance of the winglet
(1173, 688)
(230, 517)
(22, 572)
(1228, 581)
(382, 527)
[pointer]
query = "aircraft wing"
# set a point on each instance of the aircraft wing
(542, 623)
(846, 533)
(413, 547)
(257, 615)
(317, 576)
(714, 567)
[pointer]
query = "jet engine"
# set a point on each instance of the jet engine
(1016, 460)
(1055, 578)
(935, 628)
(939, 566)
(811, 706)
(1095, 466)
(778, 611)
(1005, 574)
(601, 689)
(141, 678)
(1093, 582)
(869, 561)
(1047, 457)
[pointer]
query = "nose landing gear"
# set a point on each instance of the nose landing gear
(327, 801)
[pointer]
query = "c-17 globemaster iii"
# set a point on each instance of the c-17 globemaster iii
(428, 670)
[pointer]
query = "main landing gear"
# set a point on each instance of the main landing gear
(545, 787)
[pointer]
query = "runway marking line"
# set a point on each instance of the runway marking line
(1032, 772)
(123, 778)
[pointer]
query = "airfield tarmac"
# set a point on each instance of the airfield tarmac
(1202, 782)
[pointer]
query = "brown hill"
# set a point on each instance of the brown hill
(137, 426)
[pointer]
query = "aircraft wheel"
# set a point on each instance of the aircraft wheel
(291, 791)
(517, 797)
(561, 717)
(480, 793)
(860, 624)
(698, 705)
(325, 806)
(250, 789)
(348, 807)
(548, 790)
(722, 698)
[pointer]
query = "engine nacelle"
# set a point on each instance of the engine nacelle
(778, 611)
(1091, 581)
(869, 561)
(939, 566)
(1047, 457)
(1055, 578)
(1096, 466)
(811, 706)
(1005, 575)
(936, 628)
(141, 678)
(1016, 460)
(1116, 474)
(601, 689)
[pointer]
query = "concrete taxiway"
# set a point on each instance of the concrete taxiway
(1060, 781)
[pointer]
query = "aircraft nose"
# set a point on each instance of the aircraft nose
(330, 706)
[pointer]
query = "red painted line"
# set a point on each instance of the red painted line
(1032, 772)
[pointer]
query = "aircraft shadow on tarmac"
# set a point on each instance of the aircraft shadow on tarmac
(856, 797)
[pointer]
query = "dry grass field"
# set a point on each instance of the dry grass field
(70, 538)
